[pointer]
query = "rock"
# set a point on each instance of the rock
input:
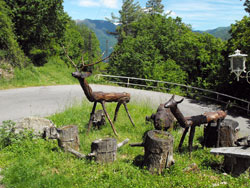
(191, 168)
(36, 124)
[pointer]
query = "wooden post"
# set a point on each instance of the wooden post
(158, 147)
(224, 135)
(68, 137)
(104, 150)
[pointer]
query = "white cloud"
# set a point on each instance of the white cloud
(110, 3)
(88, 3)
(98, 3)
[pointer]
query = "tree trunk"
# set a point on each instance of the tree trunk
(104, 150)
(224, 135)
(68, 137)
(158, 146)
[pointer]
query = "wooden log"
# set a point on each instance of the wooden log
(76, 153)
(236, 159)
(104, 150)
(223, 136)
(99, 119)
(158, 147)
(68, 137)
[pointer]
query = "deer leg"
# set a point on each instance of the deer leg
(106, 113)
(218, 132)
(208, 130)
(116, 110)
(191, 138)
(91, 117)
(125, 106)
(182, 138)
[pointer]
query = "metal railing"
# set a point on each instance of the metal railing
(239, 103)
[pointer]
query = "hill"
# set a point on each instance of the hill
(101, 29)
(220, 32)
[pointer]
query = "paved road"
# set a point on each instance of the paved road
(42, 101)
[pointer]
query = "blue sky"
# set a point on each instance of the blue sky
(200, 14)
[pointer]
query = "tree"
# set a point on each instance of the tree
(247, 5)
(240, 32)
(154, 7)
(9, 48)
(129, 14)
(38, 25)
(141, 56)
(80, 42)
(91, 43)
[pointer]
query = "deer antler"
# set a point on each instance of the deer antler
(97, 61)
(83, 65)
(66, 53)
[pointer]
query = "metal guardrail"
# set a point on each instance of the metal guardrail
(128, 83)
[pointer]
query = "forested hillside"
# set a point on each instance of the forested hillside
(149, 43)
(102, 29)
(220, 32)
(32, 31)
(154, 46)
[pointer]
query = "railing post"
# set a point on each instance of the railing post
(128, 83)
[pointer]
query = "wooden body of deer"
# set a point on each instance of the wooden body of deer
(101, 97)
(163, 119)
(192, 121)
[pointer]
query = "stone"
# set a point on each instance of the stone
(36, 124)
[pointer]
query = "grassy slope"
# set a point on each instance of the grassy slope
(41, 163)
(54, 72)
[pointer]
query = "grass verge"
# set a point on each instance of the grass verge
(55, 72)
(40, 163)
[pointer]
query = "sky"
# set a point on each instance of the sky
(200, 14)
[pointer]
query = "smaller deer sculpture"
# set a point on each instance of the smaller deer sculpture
(192, 121)
(99, 96)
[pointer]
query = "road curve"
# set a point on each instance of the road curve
(46, 100)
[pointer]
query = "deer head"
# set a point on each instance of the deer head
(172, 104)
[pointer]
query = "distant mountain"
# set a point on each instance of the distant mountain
(220, 32)
(101, 29)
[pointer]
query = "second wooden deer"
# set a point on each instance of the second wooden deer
(192, 121)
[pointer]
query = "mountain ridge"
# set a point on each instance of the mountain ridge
(102, 27)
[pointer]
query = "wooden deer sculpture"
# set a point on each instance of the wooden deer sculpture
(98, 96)
(192, 121)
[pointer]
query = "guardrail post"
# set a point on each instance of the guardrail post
(128, 83)
(248, 108)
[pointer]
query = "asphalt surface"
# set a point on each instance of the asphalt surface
(46, 100)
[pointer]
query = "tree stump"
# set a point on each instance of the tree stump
(104, 150)
(158, 147)
(99, 119)
(224, 135)
(68, 137)
(236, 159)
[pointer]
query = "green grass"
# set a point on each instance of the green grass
(55, 72)
(40, 163)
